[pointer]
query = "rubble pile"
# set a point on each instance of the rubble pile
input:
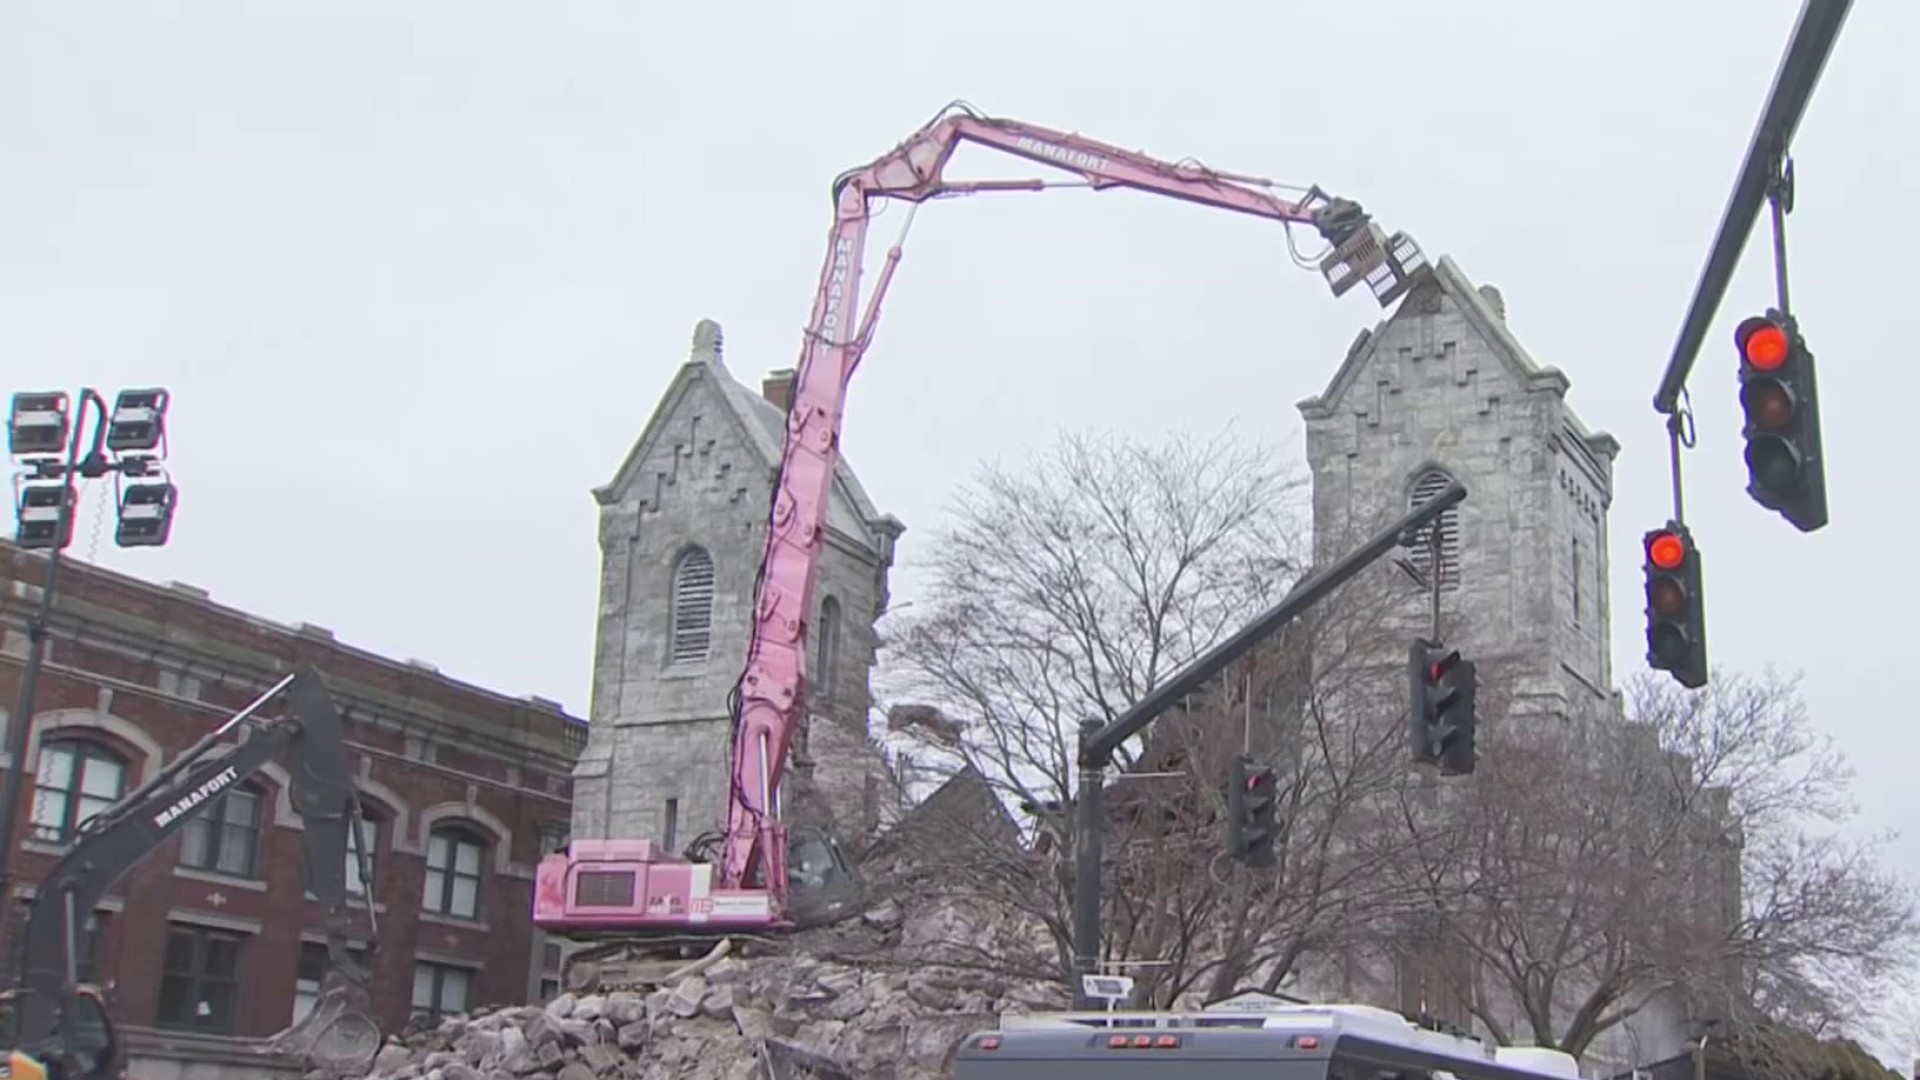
(885, 996)
(793, 1016)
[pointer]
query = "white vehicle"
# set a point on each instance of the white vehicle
(1276, 1042)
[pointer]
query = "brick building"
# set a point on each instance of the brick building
(212, 938)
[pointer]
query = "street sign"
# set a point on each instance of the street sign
(1107, 987)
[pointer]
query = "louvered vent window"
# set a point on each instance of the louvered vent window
(692, 608)
(1432, 483)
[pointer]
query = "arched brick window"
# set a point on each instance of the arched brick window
(75, 780)
(1428, 484)
(456, 866)
(691, 630)
(223, 836)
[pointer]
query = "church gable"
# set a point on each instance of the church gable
(688, 437)
(687, 424)
(1427, 328)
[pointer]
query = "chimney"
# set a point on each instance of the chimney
(777, 387)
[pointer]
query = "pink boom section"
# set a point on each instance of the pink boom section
(632, 885)
(774, 688)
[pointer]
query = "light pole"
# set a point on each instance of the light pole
(129, 443)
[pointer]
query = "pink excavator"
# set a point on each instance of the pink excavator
(629, 902)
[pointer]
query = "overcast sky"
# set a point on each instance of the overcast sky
(416, 272)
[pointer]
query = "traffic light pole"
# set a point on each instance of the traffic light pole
(1099, 742)
(1806, 56)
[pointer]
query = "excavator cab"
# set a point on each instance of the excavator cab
(95, 1053)
(822, 885)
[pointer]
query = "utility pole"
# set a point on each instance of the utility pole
(128, 443)
(1099, 742)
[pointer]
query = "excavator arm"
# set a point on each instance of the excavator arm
(50, 1006)
(772, 698)
(637, 909)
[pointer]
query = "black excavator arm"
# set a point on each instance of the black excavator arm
(341, 1030)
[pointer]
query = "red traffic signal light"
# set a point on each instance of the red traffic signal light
(1763, 343)
(1252, 808)
(1676, 612)
(1785, 472)
(1441, 719)
(1666, 550)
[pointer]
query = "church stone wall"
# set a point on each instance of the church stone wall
(1443, 384)
(661, 731)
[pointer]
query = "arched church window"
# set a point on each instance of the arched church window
(1426, 486)
(826, 649)
(692, 617)
(1576, 581)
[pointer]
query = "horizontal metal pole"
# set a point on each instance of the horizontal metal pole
(1806, 56)
(1097, 747)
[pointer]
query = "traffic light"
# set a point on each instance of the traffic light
(1236, 838)
(1442, 708)
(1252, 811)
(1676, 608)
(1785, 470)
(1261, 806)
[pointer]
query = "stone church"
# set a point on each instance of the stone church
(683, 528)
(1441, 389)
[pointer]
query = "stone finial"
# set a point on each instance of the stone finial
(708, 343)
(1495, 301)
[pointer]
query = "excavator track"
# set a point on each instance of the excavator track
(642, 964)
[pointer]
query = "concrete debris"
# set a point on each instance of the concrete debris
(778, 1017)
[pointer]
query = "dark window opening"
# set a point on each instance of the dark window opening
(827, 650)
(200, 980)
(312, 973)
(454, 866)
(441, 989)
(370, 829)
(223, 836)
(76, 780)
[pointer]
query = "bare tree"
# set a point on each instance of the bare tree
(1692, 850)
(1063, 592)
(1222, 926)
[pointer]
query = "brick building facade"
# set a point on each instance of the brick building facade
(212, 936)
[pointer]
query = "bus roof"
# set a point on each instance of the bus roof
(1275, 1032)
